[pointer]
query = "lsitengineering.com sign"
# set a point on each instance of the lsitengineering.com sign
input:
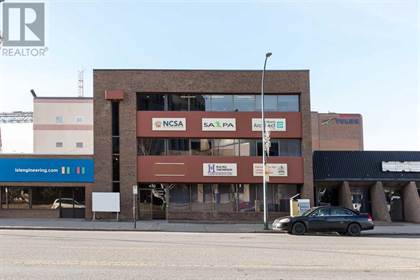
(23, 26)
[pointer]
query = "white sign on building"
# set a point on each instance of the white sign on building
(219, 169)
(401, 166)
(217, 124)
(275, 169)
(165, 124)
(271, 124)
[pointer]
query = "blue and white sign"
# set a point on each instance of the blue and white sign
(57, 170)
(219, 169)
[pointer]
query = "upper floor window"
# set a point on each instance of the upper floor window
(217, 102)
(59, 119)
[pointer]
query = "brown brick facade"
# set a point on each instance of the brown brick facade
(180, 81)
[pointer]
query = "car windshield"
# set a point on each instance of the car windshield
(307, 212)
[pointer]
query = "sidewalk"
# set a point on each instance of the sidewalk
(81, 224)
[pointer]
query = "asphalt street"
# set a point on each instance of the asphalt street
(27, 254)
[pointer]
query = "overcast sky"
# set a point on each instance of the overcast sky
(363, 56)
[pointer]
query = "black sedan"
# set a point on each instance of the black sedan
(326, 219)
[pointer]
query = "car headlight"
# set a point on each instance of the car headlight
(285, 220)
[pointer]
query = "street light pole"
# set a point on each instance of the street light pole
(267, 55)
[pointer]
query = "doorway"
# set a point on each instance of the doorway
(150, 205)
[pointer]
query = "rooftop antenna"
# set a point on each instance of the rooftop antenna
(81, 87)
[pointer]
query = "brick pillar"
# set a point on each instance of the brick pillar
(379, 208)
(411, 201)
(344, 195)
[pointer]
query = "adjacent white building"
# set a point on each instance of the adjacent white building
(63, 125)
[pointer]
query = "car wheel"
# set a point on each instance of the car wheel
(298, 228)
(353, 230)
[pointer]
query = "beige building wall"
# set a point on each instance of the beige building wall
(63, 125)
(335, 132)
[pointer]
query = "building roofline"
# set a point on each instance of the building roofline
(200, 70)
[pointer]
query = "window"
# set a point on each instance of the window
(151, 146)
(59, 144)
(45, 198)
(270, 103)
(115, 168)
(79, 119)
(59, 119)
(222, 103)
(198, 103)
(150, 102)
(290, 147)
(178, 147)
(115, 108)
(244, 103)
(247, 147)
(202, 147)
(79, 145)
(178, 102)
(288, 103)
(321, 212)
(226, 147)
(341, 212)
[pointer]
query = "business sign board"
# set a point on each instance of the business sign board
(270, 124)
(216, 124)
(168, 124)
(401, 166)
(58, 170)
(106, 202)
(274, 169)
(303, 205)
(219, 169)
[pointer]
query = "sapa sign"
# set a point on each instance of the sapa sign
(270, 124)
(169, 124)
(274, 169)
(219, 169)
(216, 124)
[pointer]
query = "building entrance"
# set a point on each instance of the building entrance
(151, 204)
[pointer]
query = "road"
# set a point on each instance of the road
(27, 254)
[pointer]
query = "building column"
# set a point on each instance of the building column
(344, 195)
(379, 207)
(411, 201)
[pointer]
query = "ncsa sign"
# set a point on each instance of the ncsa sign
(169, 124)
(215, 124)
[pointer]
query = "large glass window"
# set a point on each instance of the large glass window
(150, 102)
(44, 198)
(288, 103)
(222, 103)
(178, 102)
(270, 103)
(290, 147)
(151, 146)
(198, 103)
(178, 147)
(226, 147)
(247, 147)
(244, 103)
(201, 147)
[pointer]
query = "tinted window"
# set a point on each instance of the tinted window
(270, 103)
(247, 147)
(178, 147)
(178, 102)
(198, 103)
(288, 103)
(150, 102)
(341, 212)
(290, 147)
(201, 147)
(226, 147)
(222, 103)
(321, 212)
(151, 147)
(244, 103)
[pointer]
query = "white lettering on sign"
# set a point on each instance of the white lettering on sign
(216, 124)
(274, 169)
(169, 124)
(270, 124)
(219, 169)
(401, 166)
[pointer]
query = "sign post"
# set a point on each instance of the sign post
(135, 192)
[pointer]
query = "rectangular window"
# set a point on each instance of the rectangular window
(198, 103)
(270, 103)
(178, 102)
(151, 147)
(115, 115)
(247, 147)
(79, 145)
(115, 168)
(59, 144)
(178, 147)
(150, 102)
(244, 103)
(222, 103)
(274, 148)
(45, 198)
(226, 147)
(115, 144)
(59, 119)
(202, 147)
(288, 103)
(290, 147)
